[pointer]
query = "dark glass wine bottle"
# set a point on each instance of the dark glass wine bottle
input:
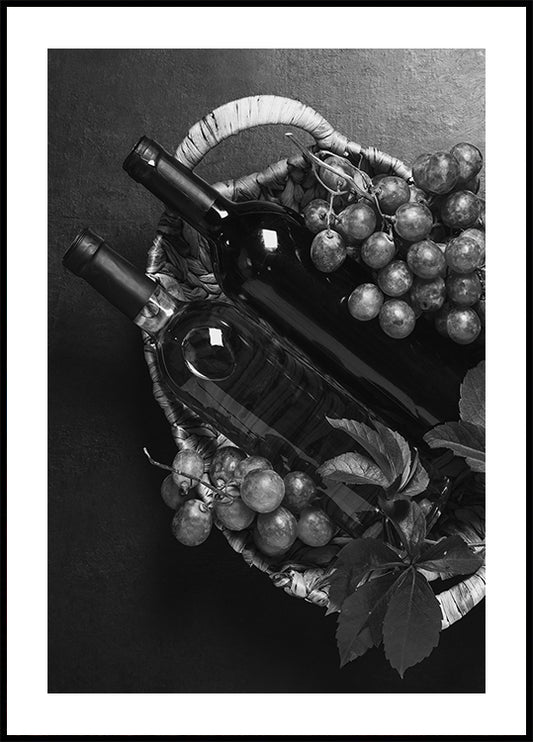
(235, 375)
(261, 258)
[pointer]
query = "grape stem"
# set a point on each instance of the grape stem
(219, 493)
(316, 162)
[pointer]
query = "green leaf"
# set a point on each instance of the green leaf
(354, 561)
(359, 625)
(472, 402)
(352, 468)
(397, 449)
(368, 439)
(452, 556)
(463, 438)
(412, 622)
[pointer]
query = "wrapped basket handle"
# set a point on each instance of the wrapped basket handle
(261, 110)
(247, 113)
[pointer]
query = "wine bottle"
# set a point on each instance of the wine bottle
(235, 375)
(261, 258)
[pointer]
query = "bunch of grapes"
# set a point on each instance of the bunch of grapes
(244, 493)
(423, 241)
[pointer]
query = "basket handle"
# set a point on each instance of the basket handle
(247, 113)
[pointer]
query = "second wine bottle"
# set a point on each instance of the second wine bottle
(261, 258)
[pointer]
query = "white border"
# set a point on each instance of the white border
(31, 31)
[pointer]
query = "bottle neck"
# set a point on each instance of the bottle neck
(136, 295)
(177, 186)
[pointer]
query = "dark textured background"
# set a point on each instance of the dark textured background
(130, 609)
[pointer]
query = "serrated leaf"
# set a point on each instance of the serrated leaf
(354, 561)
(463, 438)
(340, 586)
(397, 448)
(409, 521)
(359, 625)
(352, 468)
(476, 464)
(418, 483)
(368, 439)
(472, 401)
(365, 553)
(412, 622)
(451, 555)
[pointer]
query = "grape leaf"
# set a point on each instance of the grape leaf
(397, 449)
(418, 483)
(367, 439)
(409, 521)
(354, 561)
(352, 468)
(412, 622)
(476, 464)
(472, 402)
(364, 553)
(451, 555)
(463, 438)
(360, 622)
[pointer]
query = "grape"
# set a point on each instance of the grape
(480, 311)
(378, 250)
(460, 210)
(463, 254)
(250, 464)
(234, 515)
(395, 279)
(224, 463)
(278, 528)
(471, 185)
(479, 237)
(192, 523)
(365, 302)
(469, 160)
(417, 195)
(265, 547)
(397, 319)
(300, 490)
(439, 233)
(172, 494)
(392, 192)
(481, 222)
(428, 295)
(357, 221)
(425, 259)
(187, 467)
(437, 173)
(262, 490)
(463, 289)
(315, 527)
(315, 215)
(328, 251)
(413, 221)
(463, 325)
(332, 180)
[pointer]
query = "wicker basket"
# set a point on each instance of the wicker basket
(179, 259)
